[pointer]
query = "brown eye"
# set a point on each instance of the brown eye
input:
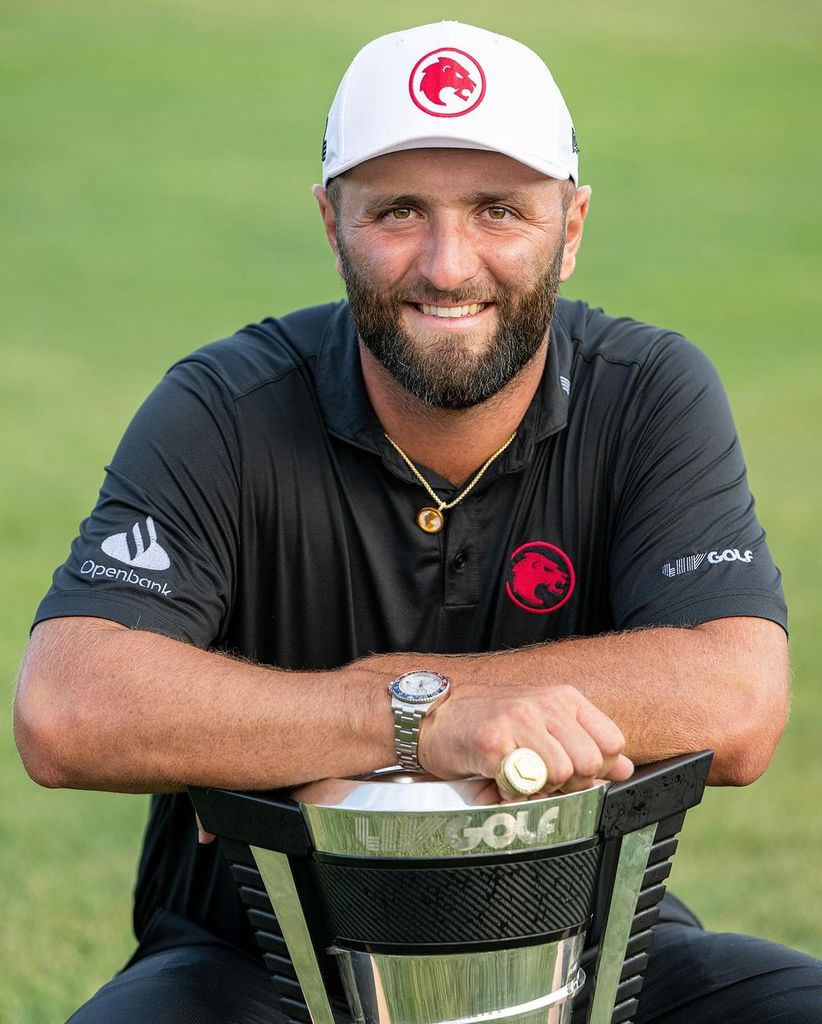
(401, 213)
(497, 212)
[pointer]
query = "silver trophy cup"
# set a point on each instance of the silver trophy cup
(397, 898)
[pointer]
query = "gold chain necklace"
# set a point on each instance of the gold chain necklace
(432, 520)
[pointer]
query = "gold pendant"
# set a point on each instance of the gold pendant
(431, 520)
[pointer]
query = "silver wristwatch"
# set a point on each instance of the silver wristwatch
(413, 696)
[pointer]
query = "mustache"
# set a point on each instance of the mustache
(421, 290)
(424, 293)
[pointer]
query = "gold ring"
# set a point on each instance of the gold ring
(522, 771)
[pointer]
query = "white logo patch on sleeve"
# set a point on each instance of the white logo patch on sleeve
(131, 548)
(691, 562)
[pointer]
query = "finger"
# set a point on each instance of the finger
(488, 794)
(557, 762)
(622, 769)
(603, 730)
(203, 837)
(616, 769)
(586, 758)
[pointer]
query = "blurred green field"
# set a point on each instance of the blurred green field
(156, 161)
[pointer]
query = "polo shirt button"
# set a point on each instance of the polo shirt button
(459, 560)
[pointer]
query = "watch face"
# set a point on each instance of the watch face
(419, 687)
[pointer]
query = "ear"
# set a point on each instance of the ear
(329, 221)
(574, 221)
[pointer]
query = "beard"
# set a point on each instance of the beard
(443, 373)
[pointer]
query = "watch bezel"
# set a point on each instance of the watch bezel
(396, 686)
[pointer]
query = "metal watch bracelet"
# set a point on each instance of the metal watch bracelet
(407, 737)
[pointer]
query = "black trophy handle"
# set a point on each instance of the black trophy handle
(654, 792)
(657, 796)
(268, 819)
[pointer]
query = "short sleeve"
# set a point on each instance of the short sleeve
(687, 545)
(159, 550)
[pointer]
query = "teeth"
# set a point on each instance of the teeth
(452, 311)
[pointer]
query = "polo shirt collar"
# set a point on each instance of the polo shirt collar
(349, 415)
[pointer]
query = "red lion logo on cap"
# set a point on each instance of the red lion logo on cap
(539, 583)
(446, 73)
(451, 72)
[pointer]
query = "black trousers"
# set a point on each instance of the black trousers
(186, 976)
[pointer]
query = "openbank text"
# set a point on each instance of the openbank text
(95, 571)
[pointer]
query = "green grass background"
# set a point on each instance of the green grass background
(155, 160)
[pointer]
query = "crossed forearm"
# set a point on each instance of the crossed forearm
(722, 685)
(103, 707)
(107, 708)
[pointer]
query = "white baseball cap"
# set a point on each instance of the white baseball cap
(454, 86)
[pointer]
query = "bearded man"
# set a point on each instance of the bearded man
(550, 503)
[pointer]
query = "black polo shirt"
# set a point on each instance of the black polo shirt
(255, 506)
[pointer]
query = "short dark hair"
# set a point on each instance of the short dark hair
(332, 190)
(567, 192)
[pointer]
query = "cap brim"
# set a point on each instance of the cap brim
(550, 170)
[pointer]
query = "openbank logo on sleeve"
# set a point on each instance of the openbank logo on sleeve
(689, 563)
(144, 556)
(139, 549)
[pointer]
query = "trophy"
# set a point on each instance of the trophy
(397, 898)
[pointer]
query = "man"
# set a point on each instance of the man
(452, 463)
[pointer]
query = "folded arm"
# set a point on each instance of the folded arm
(722, 685)
(103, 707)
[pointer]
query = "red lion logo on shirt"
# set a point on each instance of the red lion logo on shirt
(539, 583)
(446, 73)
(534, 571)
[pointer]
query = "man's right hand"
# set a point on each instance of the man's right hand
(472, 731)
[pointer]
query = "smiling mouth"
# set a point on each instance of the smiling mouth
(450, 312)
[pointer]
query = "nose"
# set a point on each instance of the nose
(449, 257)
